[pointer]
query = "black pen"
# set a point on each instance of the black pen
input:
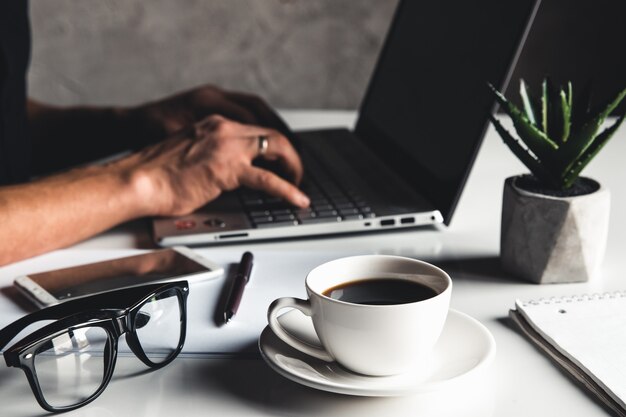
(239, 283)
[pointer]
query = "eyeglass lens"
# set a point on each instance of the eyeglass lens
(158, 326)
(71, 367)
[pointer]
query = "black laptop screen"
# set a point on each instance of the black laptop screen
(427, 105)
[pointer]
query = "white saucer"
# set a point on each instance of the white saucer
(465, 347)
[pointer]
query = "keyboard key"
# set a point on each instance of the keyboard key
(323, 207)
(341, 200)
(282, 207)
(317, 220)
(301, 211)
(259, 213)
(342, 206)
(319, 201)
(352, 217)
(316, 196)
(276, 224)
(310, 187)
(348, 212)
(252, 201)
(281, 212)
(335, 195)
(303, 216)
(327, 213)
(284, 217)
(262, 219)
(331, 201)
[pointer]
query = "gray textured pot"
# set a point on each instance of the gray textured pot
(547, 239)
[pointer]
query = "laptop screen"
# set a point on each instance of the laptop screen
(426, 108)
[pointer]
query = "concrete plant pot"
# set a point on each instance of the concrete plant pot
(548, 239)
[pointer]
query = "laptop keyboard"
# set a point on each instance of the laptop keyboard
(330, 202)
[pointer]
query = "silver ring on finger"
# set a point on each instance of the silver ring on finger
(263, 144)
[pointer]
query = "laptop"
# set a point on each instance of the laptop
(419, 129)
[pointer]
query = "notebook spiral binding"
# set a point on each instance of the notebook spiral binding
(575, 298)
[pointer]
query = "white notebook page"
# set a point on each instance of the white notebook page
(590, 330)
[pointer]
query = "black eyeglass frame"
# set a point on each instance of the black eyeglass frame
(115, 312)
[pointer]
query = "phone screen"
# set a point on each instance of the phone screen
(117, 273)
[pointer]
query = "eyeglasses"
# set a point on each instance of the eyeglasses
(69, 362)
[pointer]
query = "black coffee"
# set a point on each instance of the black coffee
(380, 291)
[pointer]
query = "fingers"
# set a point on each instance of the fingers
(278, 148)
(267, 181)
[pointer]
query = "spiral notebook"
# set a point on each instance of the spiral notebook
(586, 336)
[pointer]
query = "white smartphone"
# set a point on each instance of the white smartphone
(52, 287)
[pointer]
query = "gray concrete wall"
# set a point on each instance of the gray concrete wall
(295, 53)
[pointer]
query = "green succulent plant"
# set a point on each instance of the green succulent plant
(558, 136)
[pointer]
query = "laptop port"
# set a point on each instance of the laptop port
(232, 235)
(407, 220)
(388, 222)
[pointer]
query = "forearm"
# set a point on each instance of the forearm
(170, 178)
(61, 210)
(65, 137)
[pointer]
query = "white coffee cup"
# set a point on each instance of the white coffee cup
(370, 339)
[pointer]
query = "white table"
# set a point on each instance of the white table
(522, 382)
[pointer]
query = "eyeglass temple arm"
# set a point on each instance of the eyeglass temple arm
(58, 311)
(50, 313)
(114, 299)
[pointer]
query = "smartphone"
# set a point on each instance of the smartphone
(53, 287)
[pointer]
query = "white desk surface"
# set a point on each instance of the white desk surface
(522, 382)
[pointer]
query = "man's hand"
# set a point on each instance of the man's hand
(173, 177)
(153, 122)
(65, 137)
(180, 174)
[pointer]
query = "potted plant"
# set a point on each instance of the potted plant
(554, 222)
